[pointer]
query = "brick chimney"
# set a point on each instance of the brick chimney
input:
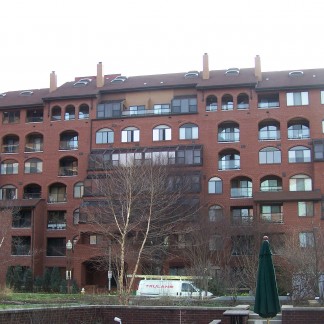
(53, 82)
(257, 68)
(100, 76)
(205, 67)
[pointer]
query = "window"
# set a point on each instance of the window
(188, 131)
(215, 186)
(215, 213)
(300, 182)
(21, 218)
(32, 191)
(241, 188)
(10, 117)
(34, 166)
(242, 215)
(184, 183)
(299, 154)
(160, 109)
(56, 113)
(184, 105)
(229, 161)
(34, 143)
(109, 109)
(306, 239)
(68, 167)
(228, 132)
(227, 102)
(8, 192)
(305, 208)
(318, 148)
(69, 140)
(57, 193)
(298, 129)
(268, 101)
(76, 216)
(78, 190)
(271, 184)
(130, 134)
(242, 244)
(189, 156)
(272, 213)
(84, 111)
(211, 103)
(297, 98)
(162, 133)
(104, 136)
(269, 131)
(269, 155)
(135, 110)
(56, 220)
(9, 167)
(69, 113)
(242, 101)
(216, 243)
(34, 115)
(20, 245)
(56, 246)
(10, 144)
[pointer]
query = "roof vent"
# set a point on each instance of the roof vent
(119, 79)
(296, 73)
(191, 75)
(26, 93)
(82, 82)
(2, 95)
(232, 71)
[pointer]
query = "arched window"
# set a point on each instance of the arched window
(228, 132)
(8, 192)
(211, 103)
(69, 140)
(34, 143)
(84, 111)
(227, 102)
(76, 216)
(241, 188)
(298, 128)
(215, 213)
(34, 166)
(299, 154)
(269, 155)
(9, 167)
(56, 113)
(162, 133)
(215, 185)
(32, 191)
(269, 131)
(104, 136)
(130, 134)
(10, 144)
(271, 183)
(229, 160)
(78, 190)
(300, 182)
(57, 193)
(69, 113)
(242, 101)
(68, 166)
(188, 131)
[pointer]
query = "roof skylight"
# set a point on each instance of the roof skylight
(26, 93)
(191, 74)
(119, 79)
(296, 73)
(232, 71)
(82, 82)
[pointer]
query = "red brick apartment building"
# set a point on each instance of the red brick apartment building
(255, 140)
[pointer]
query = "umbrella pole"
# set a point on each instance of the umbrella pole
(268, 321)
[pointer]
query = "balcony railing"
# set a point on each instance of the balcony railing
(229, 165)
(242, 220)
(272, 218)
(270, 104)
(146, 112)
(69, 145)
(271, 188)
(241, 192)
(34, 195)
(32, 147)
(294, 134)
(229, 137)
(52, 199)
(68, 171)
(269, 135)
(56, 225)
(34, 119)
(13, 148)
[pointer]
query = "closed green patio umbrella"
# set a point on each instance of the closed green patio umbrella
(266, 297)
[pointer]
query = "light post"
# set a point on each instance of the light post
(68, 265)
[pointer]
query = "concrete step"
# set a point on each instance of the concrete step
(256, 319)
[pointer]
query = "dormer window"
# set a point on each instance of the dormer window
(191, 75)
(119, 79)
(232, 71)
(82, 82)
(26, 93)
(296, 73)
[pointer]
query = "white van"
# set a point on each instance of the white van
(172, 288)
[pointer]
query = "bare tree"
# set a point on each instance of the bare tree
(136, 207)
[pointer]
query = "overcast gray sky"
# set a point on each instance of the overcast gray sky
(138, 37)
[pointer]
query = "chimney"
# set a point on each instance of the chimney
(257, 68)
(100, 76)
(205, 67)
(53, 82)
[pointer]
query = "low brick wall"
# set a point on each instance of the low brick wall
(302, 315)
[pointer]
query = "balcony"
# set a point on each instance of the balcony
(241, 192)
(276, 196)
(34, 147)
(242, 220)
(68, 172)
(272, 218)
(10, 148)
(33, 195)
(69, 145)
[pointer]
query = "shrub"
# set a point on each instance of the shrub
(55, 280)
(47, 280)
(28, 280)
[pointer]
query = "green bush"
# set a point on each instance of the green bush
(10, 276)
(38, 284)
(63, 287)
(28, 280)
(55, 281)
(47, 280)
(17, 278)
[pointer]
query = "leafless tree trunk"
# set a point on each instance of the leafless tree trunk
(136, 206)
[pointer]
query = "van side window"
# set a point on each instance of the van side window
(187, 288)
